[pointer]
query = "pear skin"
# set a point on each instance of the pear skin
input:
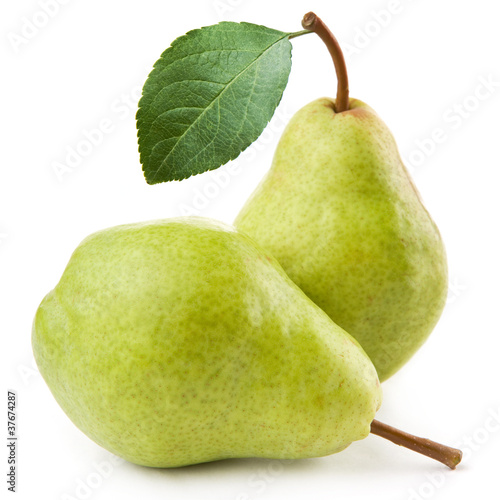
(341, 214)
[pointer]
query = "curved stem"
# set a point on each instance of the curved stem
(444, 454)
(313, 23)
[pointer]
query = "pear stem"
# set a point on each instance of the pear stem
(444, 454)
(313, 23)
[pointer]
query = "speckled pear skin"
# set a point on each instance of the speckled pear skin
(180, 341)
(340, 213)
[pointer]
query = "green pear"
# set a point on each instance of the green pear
(341, 214)
(180, 341)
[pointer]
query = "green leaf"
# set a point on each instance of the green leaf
(209, 96)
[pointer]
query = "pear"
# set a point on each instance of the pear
(339, 211)
(180, 341)
(342, 216)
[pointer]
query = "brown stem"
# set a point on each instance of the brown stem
(313, 23)
(444, 454)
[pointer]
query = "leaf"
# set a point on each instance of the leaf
(209, 96)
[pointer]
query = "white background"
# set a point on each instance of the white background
(417, 67)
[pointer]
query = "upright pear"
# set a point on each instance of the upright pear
(341, 214)
(181, 341)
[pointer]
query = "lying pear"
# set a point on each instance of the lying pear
(180, 341)
(341, 214)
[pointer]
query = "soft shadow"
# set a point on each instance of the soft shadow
(232, 466)
(372, 456)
